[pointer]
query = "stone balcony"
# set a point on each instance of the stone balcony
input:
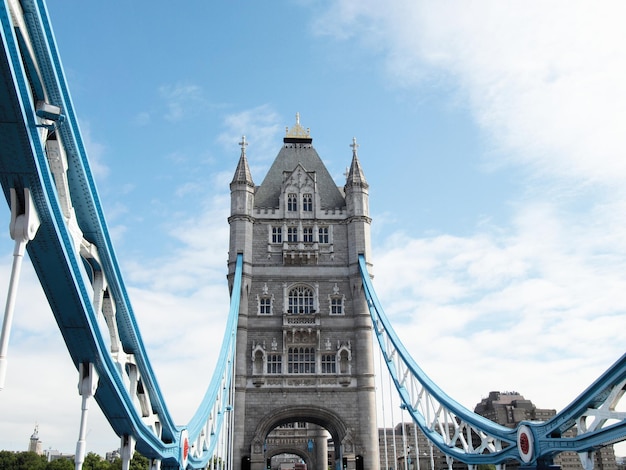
(301, 320)
(301, 252)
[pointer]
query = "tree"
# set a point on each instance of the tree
(139, 462)
(60, 464)
(95, 462)
(8, 459)
(30, 461)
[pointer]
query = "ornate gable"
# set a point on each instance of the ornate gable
(299, 180)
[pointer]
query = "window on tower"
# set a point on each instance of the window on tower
(301, 360)
(265, 306)
(274, 364)
(336, 306)
(329, 364)
(307, 234)
(292, 202)
(336, 301)
(307, 202)
(301, 300)
(277, 234)
(292, 234)
(323, 235)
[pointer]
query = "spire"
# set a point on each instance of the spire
(242, 173)
(355, 173)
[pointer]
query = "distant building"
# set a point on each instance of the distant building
(406, 447)
(112, 456)
(509, 408)
(53, 454)
(35, 444)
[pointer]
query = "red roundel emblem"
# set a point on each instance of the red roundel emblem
(185, 449)
(524, 445)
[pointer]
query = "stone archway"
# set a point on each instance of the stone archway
(308, 459)
(320, 416)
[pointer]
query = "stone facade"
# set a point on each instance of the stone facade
(304, 339)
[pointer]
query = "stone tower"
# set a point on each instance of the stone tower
(34, 445)
(304, 338)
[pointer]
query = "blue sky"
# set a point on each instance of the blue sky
(491, 135)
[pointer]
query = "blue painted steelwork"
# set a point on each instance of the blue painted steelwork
(472, 439)
(73, 254)
(74, 258)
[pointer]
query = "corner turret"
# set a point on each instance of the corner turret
(357, 204)
(242, 186)
(242, 193)
(356, 188)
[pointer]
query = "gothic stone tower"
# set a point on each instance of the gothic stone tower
(304, 339)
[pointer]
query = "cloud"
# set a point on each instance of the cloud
(528, 305)
(260, 125)
(547, 83)
(41, 382)
(504, 307)
(180, 100)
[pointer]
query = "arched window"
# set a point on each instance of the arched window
(323, 235)
(301, 300)
(292, 202)
(277, 234)
(307, 202)
(307, 234)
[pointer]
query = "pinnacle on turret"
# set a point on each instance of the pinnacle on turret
(355, 174)
(242, 173)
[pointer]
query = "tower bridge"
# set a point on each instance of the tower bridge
(299, 341)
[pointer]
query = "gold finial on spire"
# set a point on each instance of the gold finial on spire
(297, 130)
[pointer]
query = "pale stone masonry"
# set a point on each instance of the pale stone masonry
(304, 339)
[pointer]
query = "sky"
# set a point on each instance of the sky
(491, 135)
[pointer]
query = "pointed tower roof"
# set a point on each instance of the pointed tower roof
(298, 149)
(355, 174)
(242, 173)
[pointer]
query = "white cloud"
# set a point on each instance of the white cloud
(260, 125)
(547, 82)
(181, 100)
(531, 305)
(529, 308)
